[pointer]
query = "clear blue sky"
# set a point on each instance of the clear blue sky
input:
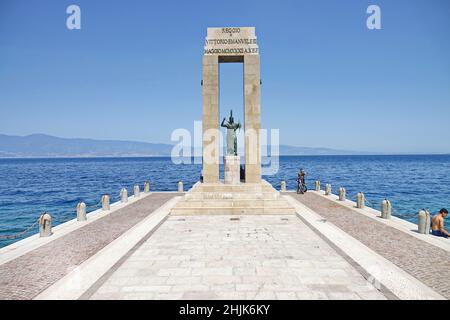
(133, 71)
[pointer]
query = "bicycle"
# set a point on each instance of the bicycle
(301, 187)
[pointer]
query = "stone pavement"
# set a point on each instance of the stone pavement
(235, 257)
(427, 263)
(28, 275)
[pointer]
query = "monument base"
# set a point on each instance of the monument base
(242, 198)
(232, 167)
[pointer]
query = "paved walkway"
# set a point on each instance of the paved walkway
(235, 257)
(30, 274)
(427, 263)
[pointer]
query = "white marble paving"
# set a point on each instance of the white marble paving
(256, 257)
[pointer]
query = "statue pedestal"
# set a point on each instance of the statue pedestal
(232, 169)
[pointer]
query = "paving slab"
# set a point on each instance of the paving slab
(424, 261)
(219, 257)
(30, 274)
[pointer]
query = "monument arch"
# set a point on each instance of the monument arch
(231, 45)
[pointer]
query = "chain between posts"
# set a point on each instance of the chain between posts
(403, 216)
(352, 198)
(18, 235)
(368, 202)
(91, 206)
(394, 211)
(32, 226)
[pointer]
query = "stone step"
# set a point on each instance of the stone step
(231, 211)
(232, 189)
(231, 203)
(244, 198)
(232, 195)
(228, 188)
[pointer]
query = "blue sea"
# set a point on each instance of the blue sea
(29, 187)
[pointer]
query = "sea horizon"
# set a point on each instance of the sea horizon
(281, 155)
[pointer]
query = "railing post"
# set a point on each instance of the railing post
(123, 195)
(360, 200)
(386, 209)
(147, 186)
(136, 191)
(45, 225)
(424, 221)
(105, 202)
(283, 186)
(81, 211)
(342, 194)
(317, 185)
(327, 189)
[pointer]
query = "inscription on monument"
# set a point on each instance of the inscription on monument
(231, 41)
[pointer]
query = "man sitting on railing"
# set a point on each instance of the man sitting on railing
(437, 224)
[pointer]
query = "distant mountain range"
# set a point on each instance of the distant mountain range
(41, 145)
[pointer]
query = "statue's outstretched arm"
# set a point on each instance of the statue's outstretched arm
(223, 122)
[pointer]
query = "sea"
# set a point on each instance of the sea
(29, 187)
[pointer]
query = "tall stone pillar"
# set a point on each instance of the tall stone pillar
(252, 116)
(210, 89)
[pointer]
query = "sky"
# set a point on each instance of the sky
(133, 70)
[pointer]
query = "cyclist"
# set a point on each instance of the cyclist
(301, 185)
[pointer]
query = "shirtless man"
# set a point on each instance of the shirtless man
(437, 224)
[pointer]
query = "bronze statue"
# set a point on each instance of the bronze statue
(231, 134)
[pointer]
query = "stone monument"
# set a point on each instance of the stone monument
(231, 45)
(210, 195)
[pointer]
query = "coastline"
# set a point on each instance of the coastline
(169, 156)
